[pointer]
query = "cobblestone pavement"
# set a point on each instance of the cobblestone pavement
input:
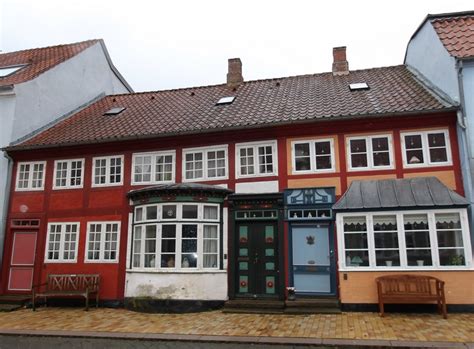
(367, 326)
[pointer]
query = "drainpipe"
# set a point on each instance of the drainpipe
(3, 222)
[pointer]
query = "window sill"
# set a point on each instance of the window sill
(405, 269)
(176, 271)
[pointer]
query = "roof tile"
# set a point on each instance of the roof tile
(456, 33)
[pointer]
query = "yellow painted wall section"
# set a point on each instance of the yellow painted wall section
(360, 287)
(369, 178)
(447, 177)
(289, 150)
(316, 182)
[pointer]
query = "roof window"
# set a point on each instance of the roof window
(359, 86)
(225, 100)
(114, 111)
(6, 71)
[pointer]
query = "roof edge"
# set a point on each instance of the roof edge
(113, 68)
(17, 147)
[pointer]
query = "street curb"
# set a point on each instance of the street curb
(298, 341)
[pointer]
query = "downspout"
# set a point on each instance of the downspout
(3, 224)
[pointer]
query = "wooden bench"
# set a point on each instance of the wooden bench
(411, 289)
(67, 285)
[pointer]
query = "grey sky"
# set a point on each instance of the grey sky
(169, 44)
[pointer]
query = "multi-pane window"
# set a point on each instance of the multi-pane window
(256, 159)
(426, 148)
(429, 239)
(205, 163)
(369, 152)
(181, 236)
(313, 156)
(149, 168)
(107, 171)
(30, 176)
(102, 242)
(62, 241)
(68, 174)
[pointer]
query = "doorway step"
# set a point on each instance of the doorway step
(13, 302)
(258, 306)
(324, 305)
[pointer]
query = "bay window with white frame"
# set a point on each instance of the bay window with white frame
(153, 167)
(256, 159)
(177, 236)
(205, 163)
(372, 152)
(313, 156)
(431, 239)
(426, 148)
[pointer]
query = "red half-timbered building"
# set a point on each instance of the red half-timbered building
(226, 192)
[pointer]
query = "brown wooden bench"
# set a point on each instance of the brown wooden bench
(67, 285)
(411, 289)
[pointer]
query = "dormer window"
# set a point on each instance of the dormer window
(114, 111)
(7, 71)
(358, 86)
(225, 100)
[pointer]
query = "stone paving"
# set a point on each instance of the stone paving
(365, 326)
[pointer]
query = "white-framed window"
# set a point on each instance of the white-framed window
(313, 156)
(103, 242)
(431, 239)
(30, 175)
(62, 242)
(256, 159)
(205, 163)
(156, 167)
(176, 236)
(107, 171)
(68, 174)
(369, 152)
(426, 148)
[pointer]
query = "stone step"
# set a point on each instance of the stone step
(9, 307)
(313, 303)
(318, 310)
(15, 299)
(252, 310)
(249, 304)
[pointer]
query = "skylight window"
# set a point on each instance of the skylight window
(114, 111)
(6, 71)
(225, 100)
(359, 86)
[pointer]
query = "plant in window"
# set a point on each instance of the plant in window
(457, 260)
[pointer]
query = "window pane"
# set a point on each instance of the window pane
(438, 155)
(358, 146)
(323, 148)
(413, 142)
(302, 157)
(189, 231)
(169, 211)
(190, 211)
(387, 258)
(415, 157)
(355, 224)
(436, 140)
(357, 258)
(380, 144)
(452, 256)
(419, 257)
(151, 212)
(323, 162)
(210, 232)
(355, 241)
(210, 212)
(168, 231)
(381, 159)
(302, 149)
(359, 160)
(303, 164)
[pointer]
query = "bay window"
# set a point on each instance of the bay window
(432, 239)
(370, 152)
(427, 148)
(176, 236)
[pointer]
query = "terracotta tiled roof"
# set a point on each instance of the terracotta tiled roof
(456, 33)
(393, 90)
(38, 60)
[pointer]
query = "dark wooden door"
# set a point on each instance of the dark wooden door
(257, 260)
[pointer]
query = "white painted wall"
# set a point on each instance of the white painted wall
(427, 54)
(257, 187)
(177, 286)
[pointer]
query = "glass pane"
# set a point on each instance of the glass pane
(415, 221)
(417, 239)
(210, 232)
(352, 224)
(169, 211)
(190, 211)
(413, 142)
(385, 223)
(168, 245)
(356, 241)
(452, 256)
(387, 258)
(357, 258)
(438, 155)
(302, 149)
(323, 148)
(381, 159)
(448, 221)
(358, 146)
(415, 156)
(323, 162)
(189, 231)
(359, 160)
(450, 238)
(150, 232)
(168, 231)
(419, 257)
(189, 261)
(167, 261)
(189, 245)
(379, 144)
(386, 240)
(303, 164)
(210, 212)
(436, 140)
(138, 214)
(151, 212)
(209, 261)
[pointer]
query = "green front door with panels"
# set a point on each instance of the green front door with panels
(257, 259)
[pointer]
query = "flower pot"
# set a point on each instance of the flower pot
(420, 262)
(388, 263)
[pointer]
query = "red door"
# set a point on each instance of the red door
(22, 262)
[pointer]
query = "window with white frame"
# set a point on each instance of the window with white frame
(428, 148)
(435, 239)
(102, 241)
(205, 163)
(370, 152)
(176, 236)
(313, 156)
(30, 175)
(68, 174)
(107, 171)
(62, 242)
(256, 159)
(150, 168)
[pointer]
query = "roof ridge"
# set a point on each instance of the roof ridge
(257, 80)
(52, 46)
(437, 16)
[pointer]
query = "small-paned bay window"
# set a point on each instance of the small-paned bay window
(30, 175)
(427, 148)
(205, 163)
(256, 159)
(370, 152)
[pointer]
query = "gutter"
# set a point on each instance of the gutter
(6, 206)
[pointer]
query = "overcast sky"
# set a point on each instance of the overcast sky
(160, 45)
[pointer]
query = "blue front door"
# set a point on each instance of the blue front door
(312, 259)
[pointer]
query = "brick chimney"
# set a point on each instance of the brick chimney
(340, 66)
(234, 76)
